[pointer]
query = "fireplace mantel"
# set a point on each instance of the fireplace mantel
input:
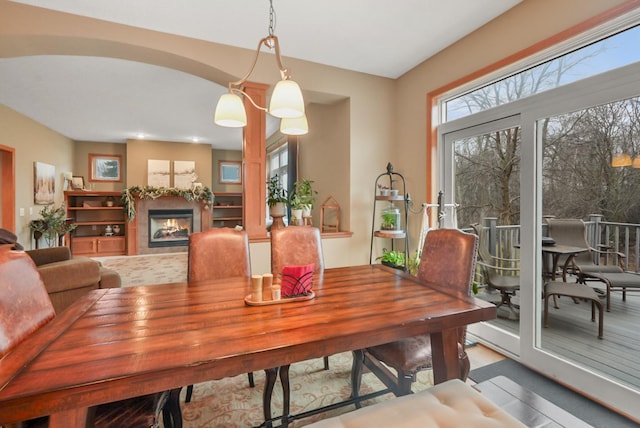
(137, 229)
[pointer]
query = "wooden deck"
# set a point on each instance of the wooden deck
(573, 335)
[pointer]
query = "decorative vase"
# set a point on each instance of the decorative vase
(277, 210)
(116, 229)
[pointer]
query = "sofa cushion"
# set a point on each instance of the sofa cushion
(44, 256)
(69, 274)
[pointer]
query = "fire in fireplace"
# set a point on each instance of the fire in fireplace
(169, 228)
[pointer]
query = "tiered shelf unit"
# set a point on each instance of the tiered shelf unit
(398, 197)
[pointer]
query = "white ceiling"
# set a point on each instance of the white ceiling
(100, 99)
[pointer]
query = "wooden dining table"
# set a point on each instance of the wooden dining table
(118, 343)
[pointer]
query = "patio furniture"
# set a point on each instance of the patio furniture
(616, 281)
(502, 274)
(573, 232)
(447, 263)
(576, 291)
(218, 253)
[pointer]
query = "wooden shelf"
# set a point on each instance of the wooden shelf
(389, 235)
(228, 210)
(90, 213)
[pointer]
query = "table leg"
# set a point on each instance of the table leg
(444, 352)
(271, 377)
(286, 394)
(74, 418)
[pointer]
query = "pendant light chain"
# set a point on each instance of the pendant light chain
(272, 19)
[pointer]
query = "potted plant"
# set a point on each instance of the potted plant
(303, 189)
(276, 197)
(392, 258)
(52, 225)
(296, 205)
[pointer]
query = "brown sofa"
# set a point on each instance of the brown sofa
(69, 278)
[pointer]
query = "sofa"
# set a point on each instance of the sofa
(68, 278)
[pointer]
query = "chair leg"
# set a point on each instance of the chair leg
(356, 376)
(187, 399)
(252, 384)
(326, 363)
(171, 413)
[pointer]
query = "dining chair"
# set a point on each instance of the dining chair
(293, 246)
(218, 253)
(447, 263)
(26, 307)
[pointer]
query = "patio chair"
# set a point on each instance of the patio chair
(573, 232)
(218, 253)
(447, 263)
(502, 274)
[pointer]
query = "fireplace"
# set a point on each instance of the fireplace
(170, 227)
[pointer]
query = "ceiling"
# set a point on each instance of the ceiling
(111, 100)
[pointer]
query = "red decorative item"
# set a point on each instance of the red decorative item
(297, 280)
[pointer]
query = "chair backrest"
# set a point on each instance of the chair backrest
(218, 253)
(570, 231)
(24, 303)
(296, 245)
(449, 260)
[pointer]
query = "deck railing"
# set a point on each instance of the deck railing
(615, 237)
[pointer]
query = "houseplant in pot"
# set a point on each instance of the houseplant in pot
(276, 197)
(296, 205)
(392, 258)
(52, 225)
(303, 189)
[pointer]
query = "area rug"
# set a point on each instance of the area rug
(576, 404)
(148, 269)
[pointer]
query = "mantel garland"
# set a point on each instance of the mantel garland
(201, 194)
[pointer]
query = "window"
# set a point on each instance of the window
(603, 55)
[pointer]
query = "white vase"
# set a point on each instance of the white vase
(277, 210)
(306, 211)
(297, 214)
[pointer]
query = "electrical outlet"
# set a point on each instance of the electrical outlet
(94, 227)
(21, 212)
(30, 210)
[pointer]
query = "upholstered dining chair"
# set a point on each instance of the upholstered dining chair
(294, 246)
(448, 263)
(22, 317)
(218, 253)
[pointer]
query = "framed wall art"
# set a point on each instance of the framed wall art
(184, 173)
(230, 172)
(158, 173)
(77, 182)
(105, 167)
(44, 188)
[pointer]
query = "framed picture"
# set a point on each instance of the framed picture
(184, 173)
(44, 188)
(158, 173)
(230, 172)
(105, 167)
(77, 182)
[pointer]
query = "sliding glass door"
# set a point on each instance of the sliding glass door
(511, 168)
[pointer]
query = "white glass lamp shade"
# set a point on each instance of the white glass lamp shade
(621, 160)
(230, 112)
(286, 100)
(294, 126)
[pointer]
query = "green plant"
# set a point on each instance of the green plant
(275, 192)
(392, 258)
(52, 224)
(303, 190)
(388, 221)
(296, 202)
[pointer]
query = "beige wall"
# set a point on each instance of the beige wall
(140, 151)
(33, 142)
(386, 118)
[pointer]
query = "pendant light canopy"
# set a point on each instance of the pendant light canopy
(286, 100)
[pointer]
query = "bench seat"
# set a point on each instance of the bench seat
(449, 404)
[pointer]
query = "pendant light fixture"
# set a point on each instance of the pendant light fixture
(286, 100)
